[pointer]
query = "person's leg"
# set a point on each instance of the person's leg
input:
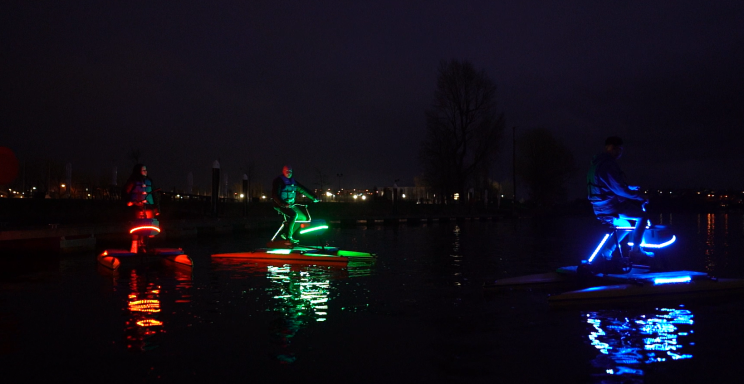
(609, 216)
(612, 243)
(135, 243)
(638, 231)
(292, 219)
(284, 230)
(634, 211)
(137, 213)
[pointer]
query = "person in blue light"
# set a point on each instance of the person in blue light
(611, 196)
(283, 192)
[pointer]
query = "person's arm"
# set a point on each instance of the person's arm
(306, 192)
(615, 181)
(128, 191)
(277, 186)
(128, 187)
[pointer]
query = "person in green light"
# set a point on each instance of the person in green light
(283, 192)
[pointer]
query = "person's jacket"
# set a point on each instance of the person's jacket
(284, 191)
(134, 189)
(606, 186)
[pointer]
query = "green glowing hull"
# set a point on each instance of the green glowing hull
(301, 253)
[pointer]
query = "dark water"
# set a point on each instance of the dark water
(418, 315)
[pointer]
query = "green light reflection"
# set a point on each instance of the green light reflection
(302, 297)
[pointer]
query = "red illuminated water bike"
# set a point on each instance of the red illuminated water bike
(143, 229)
(308, 230)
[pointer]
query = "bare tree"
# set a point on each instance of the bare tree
(545, 165)
(135, 154)
(464, 129)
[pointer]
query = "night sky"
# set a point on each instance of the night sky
(342, 86)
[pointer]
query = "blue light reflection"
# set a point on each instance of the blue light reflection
(627, 342)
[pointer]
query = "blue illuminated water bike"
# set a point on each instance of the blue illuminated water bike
(612, 253)
(609, 276)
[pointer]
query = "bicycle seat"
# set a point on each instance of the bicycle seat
(614, 220)
(608, 219)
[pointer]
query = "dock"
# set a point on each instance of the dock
(75, 238)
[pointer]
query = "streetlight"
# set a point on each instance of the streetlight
(339, 175)
(514, 165)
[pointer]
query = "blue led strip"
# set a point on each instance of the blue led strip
(601, 243)
(662, 245)
(671, 280)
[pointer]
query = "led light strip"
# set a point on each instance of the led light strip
(144, 227)
(601, 243)
(669, 280)
(318, 228)
(662, 245)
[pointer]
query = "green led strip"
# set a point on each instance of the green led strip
(318, 228)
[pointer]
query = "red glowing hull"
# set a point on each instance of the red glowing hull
(111, 258)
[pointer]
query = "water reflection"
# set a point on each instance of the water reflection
(145, 325)
(710, 241)
(628, 341)
(717, 240)
(301, 297)
(456, 255)
(300, 294)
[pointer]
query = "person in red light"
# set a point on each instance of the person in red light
(138, 194)
(283, 192)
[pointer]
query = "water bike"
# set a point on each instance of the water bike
(612, 253)
(142, 229)
(308, 229)
(610, 263)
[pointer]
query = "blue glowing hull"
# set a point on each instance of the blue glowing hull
(649, 292)
(638, 275)
(636, 286)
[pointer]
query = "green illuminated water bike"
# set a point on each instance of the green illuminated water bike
(310, 231)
